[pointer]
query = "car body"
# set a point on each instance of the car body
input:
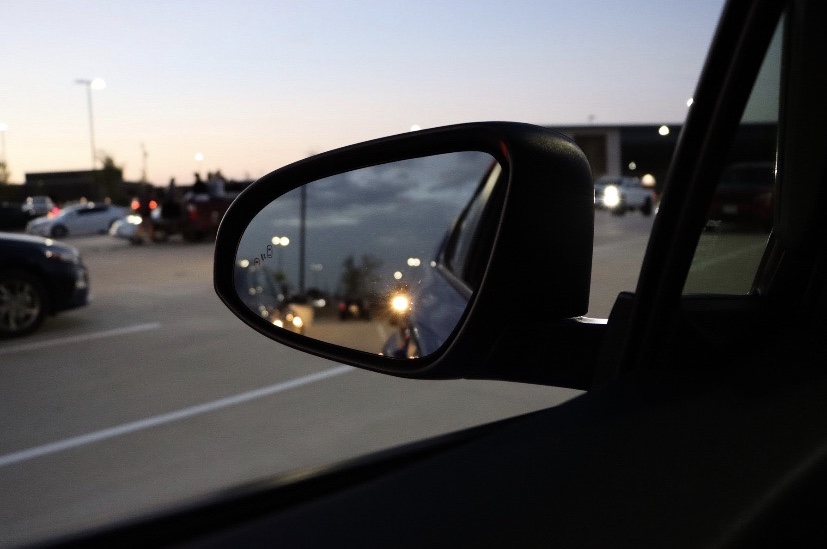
(38, 277)
(12, 216)
(701, 421)
(127, 228)
(620, 194)
(36, 206)
(744, 195)
(78, 219)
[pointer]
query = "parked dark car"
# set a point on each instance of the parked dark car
(745, 195)
(13, 217)
(38, 277)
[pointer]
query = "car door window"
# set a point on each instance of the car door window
(740, 214)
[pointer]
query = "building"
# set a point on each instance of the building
(641, 150)
(94, 185)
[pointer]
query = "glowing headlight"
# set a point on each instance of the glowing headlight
(400, 303)
(297, 322)
(611, 196)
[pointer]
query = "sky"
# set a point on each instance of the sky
(389, 212)
(254, 85)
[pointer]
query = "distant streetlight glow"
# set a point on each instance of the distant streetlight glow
(93, 84)
(414, 262)
(397, 275)
(281, 242)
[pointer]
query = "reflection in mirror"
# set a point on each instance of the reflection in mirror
(352, 259)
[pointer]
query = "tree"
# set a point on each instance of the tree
(110, 179)
(4, 172)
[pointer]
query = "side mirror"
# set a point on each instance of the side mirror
(433, 254)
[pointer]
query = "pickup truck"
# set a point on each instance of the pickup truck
(620, 194)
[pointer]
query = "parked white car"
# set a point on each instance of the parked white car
(621, 194)
(78, 219)
(127, 228)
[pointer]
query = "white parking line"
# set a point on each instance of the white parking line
(620, 244)
(170, 417)
(79, 338)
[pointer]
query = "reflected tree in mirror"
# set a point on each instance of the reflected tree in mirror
(352, 259)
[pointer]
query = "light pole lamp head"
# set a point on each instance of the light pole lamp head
(94, 84)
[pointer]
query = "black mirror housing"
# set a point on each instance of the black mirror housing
(545, 207)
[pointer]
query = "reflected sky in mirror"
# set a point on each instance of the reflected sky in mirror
(365, 234)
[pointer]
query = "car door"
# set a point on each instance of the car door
(82, 221)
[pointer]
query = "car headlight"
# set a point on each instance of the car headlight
(611, 196)
(400, 303)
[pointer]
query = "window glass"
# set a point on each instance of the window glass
(153, 394)
(741, 212)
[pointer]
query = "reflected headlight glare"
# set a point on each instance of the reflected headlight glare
(297, 322)
(68, 256)
(400, 303)
(611, 196)
(277, 322)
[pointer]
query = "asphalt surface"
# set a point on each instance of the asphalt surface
(155, 394)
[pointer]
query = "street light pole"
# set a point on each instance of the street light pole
(98, 84)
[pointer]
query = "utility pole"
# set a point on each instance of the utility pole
(93, 84)
(144, 155)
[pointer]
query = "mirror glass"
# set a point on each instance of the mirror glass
(351, 259)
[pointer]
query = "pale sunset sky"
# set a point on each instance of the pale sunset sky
(254, 85)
